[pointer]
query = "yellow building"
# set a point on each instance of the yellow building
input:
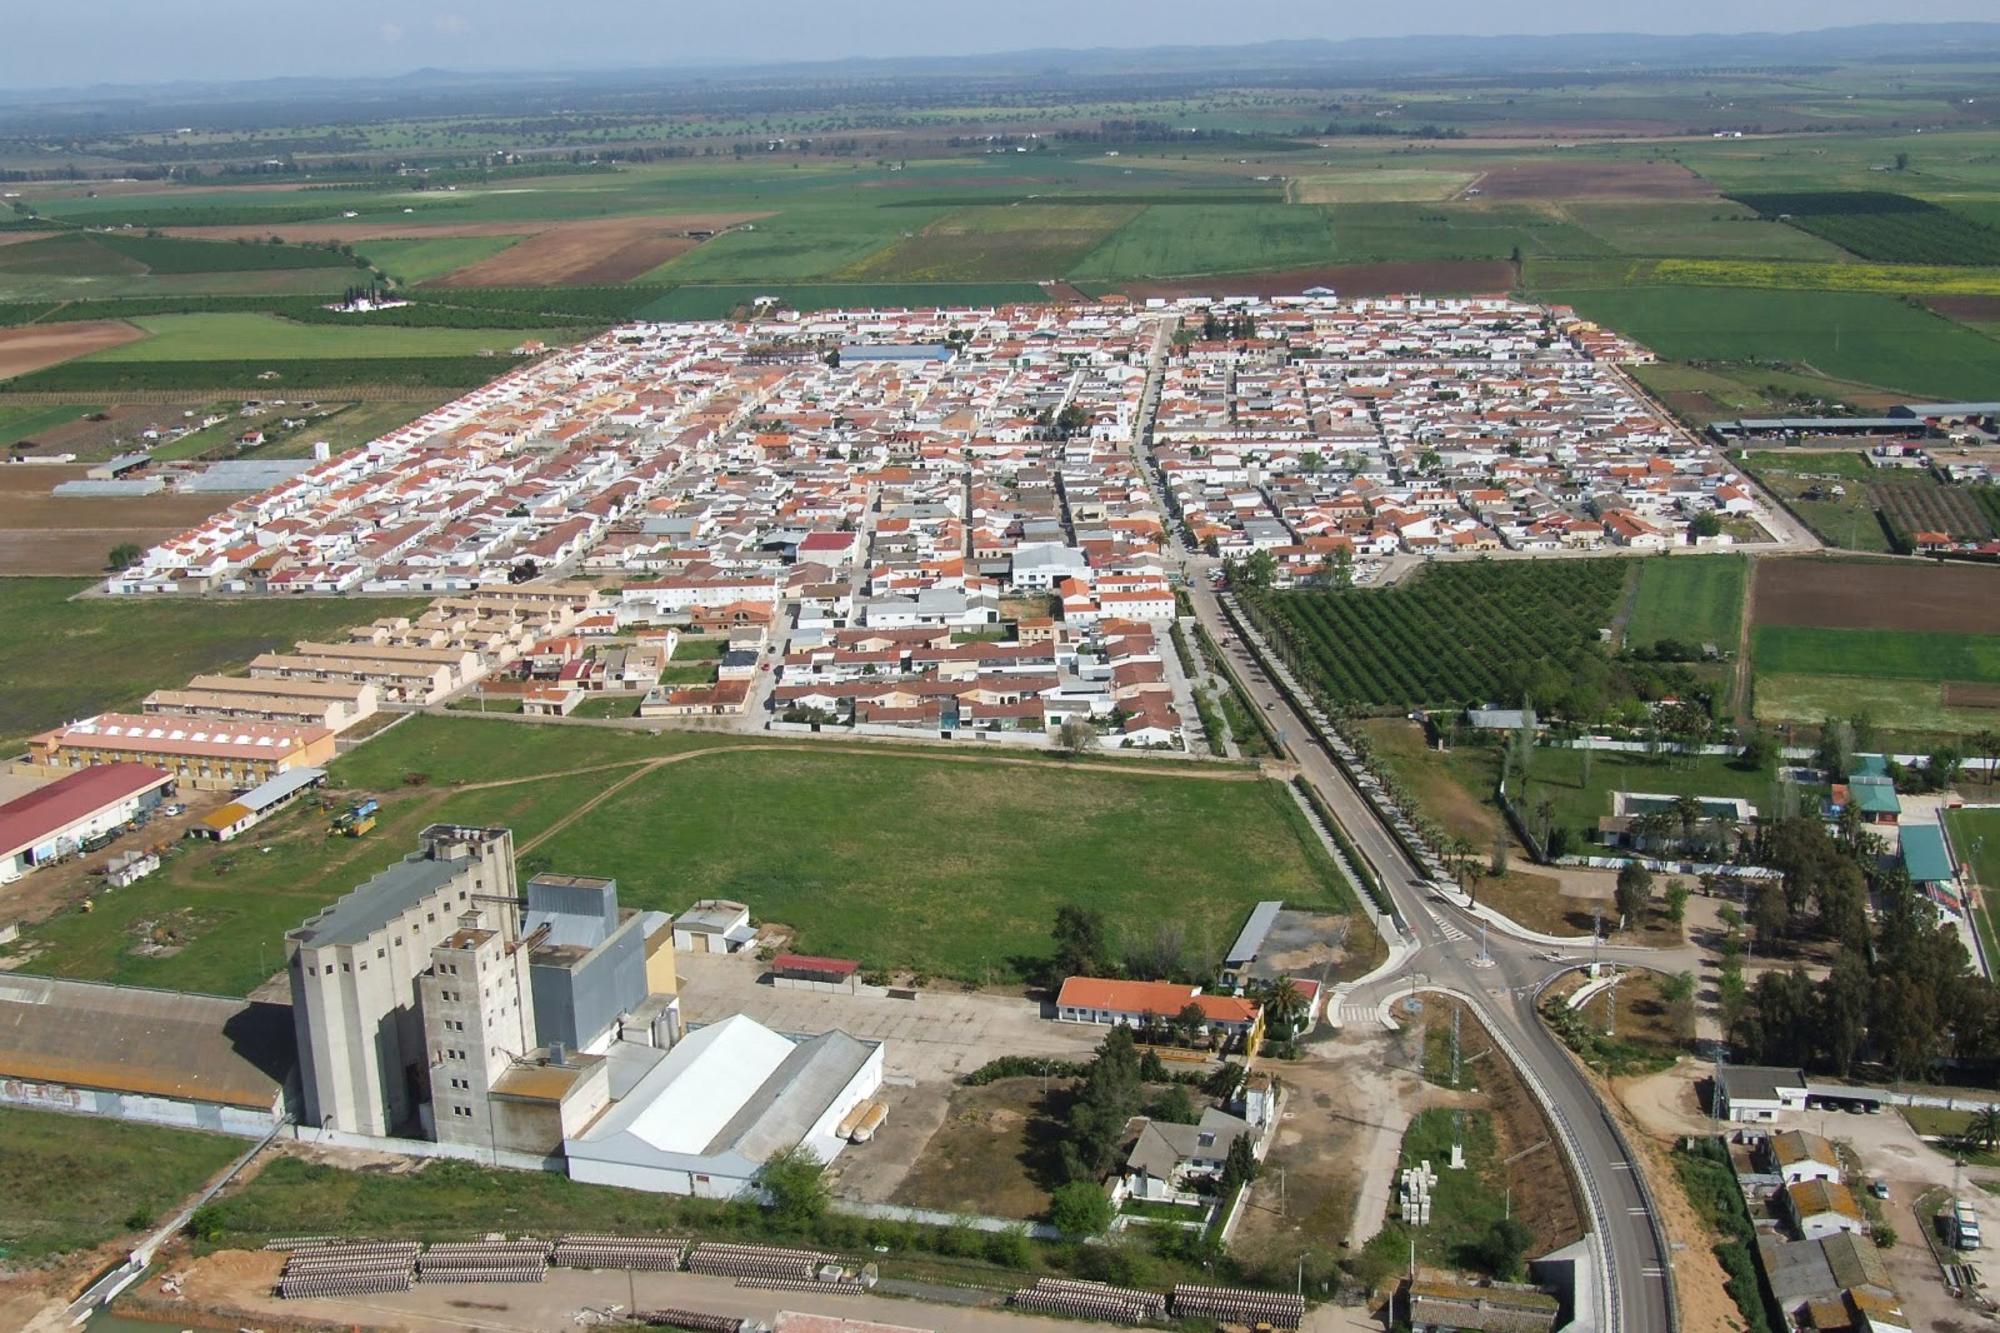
(203, 753)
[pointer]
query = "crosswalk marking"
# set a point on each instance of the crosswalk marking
(1635, 1212)
(1652, 1270)
(1360, 1016)
(1621, 1166)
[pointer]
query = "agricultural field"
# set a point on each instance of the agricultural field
(19, 423)
(1910, 713)
(1918, 502)
(71, 1182)
(137, 646)
(1383, 185)
(1454, 634)
(1873, 224)
(1878, 653)
(411, 261)
(231, 337)
(1717, 229)
(1887, 279)
(81, 265)
(1168, 240)
(1895, 595)
(1693, 599)
(1030, 242)
(1858, 337)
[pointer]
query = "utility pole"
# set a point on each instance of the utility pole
(1455, 1014)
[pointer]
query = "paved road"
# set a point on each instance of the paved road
(1500, 976)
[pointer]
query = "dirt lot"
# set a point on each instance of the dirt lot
(1456, 276)
(989, 1155)
(1592, 180)
(32, 348)
(43, 534)
(1899, 595)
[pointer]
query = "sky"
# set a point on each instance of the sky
(150, 41)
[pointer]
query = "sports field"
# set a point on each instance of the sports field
(1695, 599)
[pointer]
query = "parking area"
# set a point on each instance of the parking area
(932, 1039)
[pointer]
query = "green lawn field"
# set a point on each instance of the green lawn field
(1901, 654)
(230, 337)
(136, 645)
(1581, 800)
(1695, 599)
(419, 260)
(1863, 337)
(852, 850)
(845, 845)
(1975, 841)
(70, 1182)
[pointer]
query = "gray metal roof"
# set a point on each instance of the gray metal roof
(246, 474)
(86, 488)
(579, 912)
(373, 905)
(1251, 939)
(203, 1048)
(1758, 1082)
(1948, 409)
(782, 1111)
(278, 788)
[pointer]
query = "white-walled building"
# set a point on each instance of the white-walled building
(726, 1099)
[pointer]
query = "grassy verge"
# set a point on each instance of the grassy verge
(69, 1182)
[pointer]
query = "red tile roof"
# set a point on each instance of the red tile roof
(27, 820)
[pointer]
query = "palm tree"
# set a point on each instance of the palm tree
(1688, 811)
(1461, 852)
(1983, 1129)
(1284, 1007)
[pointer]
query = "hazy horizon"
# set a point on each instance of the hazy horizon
(143, 42)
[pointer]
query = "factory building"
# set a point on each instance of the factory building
(58, 818)
(354, 969)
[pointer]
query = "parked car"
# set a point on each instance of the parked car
(1879, 1188)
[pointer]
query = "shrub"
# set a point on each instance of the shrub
(1081, 1209)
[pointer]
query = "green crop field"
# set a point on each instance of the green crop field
(167, 254)
(136, 645)
(22, 422)
(721, 301)
(1695, 599)
(420, 260)
(1897, 654)
(1393, 232)
(1718, 229)
(1019, 241)
(231, 337)
(1869, 339)
(1454, 633)
(802, 243)
(71, 1182)
(109, 379)
(1171, 239)
(1878, 225)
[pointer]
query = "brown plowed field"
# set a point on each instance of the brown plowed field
(1967, 307)
(1456, 276)
(412, 228)
(1970, 694)
(1586, 179)
(44, 534)
(1901, 594)
(32, 347)
(16, 237)
(584, 254)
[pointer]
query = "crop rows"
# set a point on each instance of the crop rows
(1457, 634)
(1892, 228)
(1910, 507)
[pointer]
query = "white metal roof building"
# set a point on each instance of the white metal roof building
(726, 1099)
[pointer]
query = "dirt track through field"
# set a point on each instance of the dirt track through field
(583, 254)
